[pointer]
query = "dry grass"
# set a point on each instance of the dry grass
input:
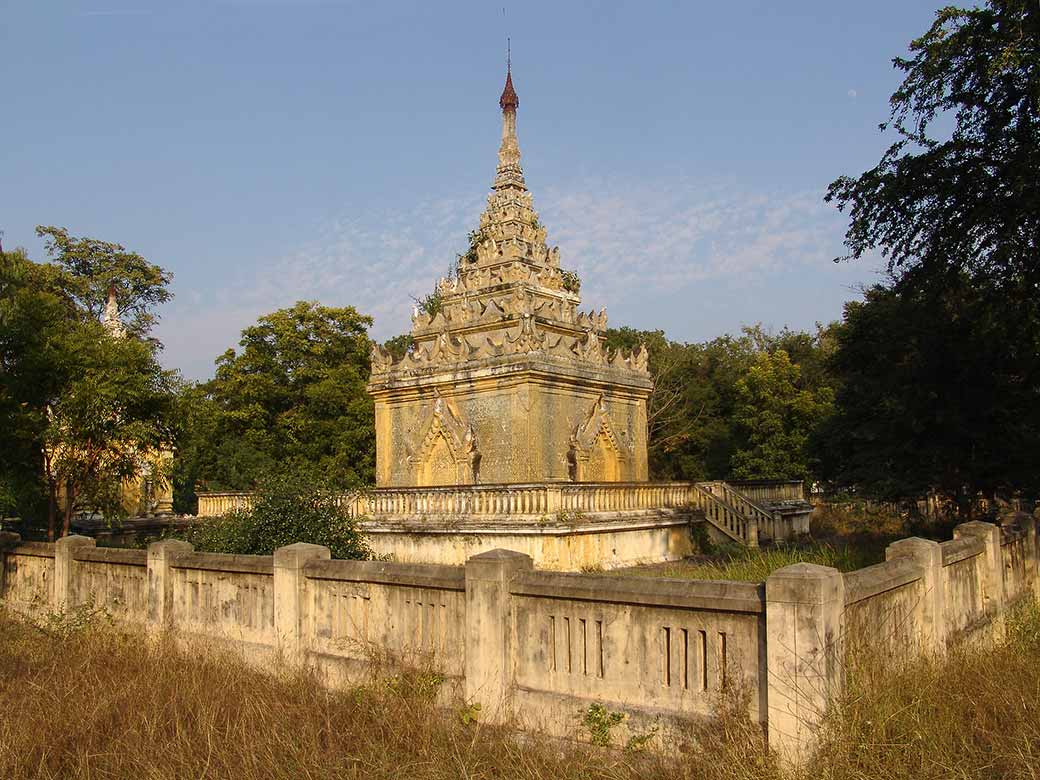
(88, 700)
(844, 538)
(974, 714)
(96, 702)
(747, 565)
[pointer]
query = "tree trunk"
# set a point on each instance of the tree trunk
(70, 505)
(52, 507)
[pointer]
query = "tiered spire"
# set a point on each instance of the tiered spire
(509, 174)
(508, 295)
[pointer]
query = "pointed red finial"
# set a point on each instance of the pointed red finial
(509, 101)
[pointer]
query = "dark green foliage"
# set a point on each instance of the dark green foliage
(77, 405)
(293, 397)
(934, 396)
(941, 366)
(966, 201)
(400, 345)
(287, 508)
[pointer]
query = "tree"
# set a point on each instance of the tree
(286, 509)
(941, 365)
(95, 267)
(35, 313)
(776, 416)
(114, 409)
(75, 400)
(933, 399)
(966, 202)
(292, 397)
(694, 430)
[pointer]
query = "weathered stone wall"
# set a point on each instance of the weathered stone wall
(540, 412)
(27, 577)
(536, 647)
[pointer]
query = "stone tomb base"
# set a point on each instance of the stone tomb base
(588, 542)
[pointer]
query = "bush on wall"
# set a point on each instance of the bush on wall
(287, 508)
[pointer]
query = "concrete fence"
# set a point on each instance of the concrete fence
(537, 647)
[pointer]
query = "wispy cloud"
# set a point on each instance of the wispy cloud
(625, 240)
(118, 12)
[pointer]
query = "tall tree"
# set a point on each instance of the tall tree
(958, 192)
(115, 408)
(293, 396)
(77, 403)
(933, 399)
(95, 267)
(776, 415)
(941, 365)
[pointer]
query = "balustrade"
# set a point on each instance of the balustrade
(723, 505)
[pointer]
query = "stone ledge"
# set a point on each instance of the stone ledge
(245, 564)
(111, 555)
(881, 578)
(723, 596)
(530, 526)
(419, 575)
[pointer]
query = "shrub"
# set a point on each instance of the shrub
(286, 509)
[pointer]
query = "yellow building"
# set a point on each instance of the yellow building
(508, 382)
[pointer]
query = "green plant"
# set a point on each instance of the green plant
(701, 538)
(476, 237)
(287, 508)
(598, 721)
(638, 742)
(75, 620)
(469, 714)
(431, 304)
(571, 281)
(418, 683)
(571, 516)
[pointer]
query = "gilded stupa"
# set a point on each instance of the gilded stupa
(507, 381)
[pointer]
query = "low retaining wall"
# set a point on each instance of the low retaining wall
(589, 543)
(536, 647)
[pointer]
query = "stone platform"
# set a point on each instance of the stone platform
(562, 526)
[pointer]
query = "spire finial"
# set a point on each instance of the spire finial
(110, 318)
(509, 101)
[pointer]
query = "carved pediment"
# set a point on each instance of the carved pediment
(442, 419)
(597, 422)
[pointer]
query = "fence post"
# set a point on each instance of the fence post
(805, 604)
(932, 609)
(8, 540)
(993, 587)
(1028, 523)
(490, 654)
(290, 590)
(64, 581)
(160, 581)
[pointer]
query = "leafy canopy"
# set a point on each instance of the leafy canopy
(78, 405)
(293, 396)
(959, 190)
(93, 267)
(932, 398)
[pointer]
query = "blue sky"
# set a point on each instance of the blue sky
(267, 151)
